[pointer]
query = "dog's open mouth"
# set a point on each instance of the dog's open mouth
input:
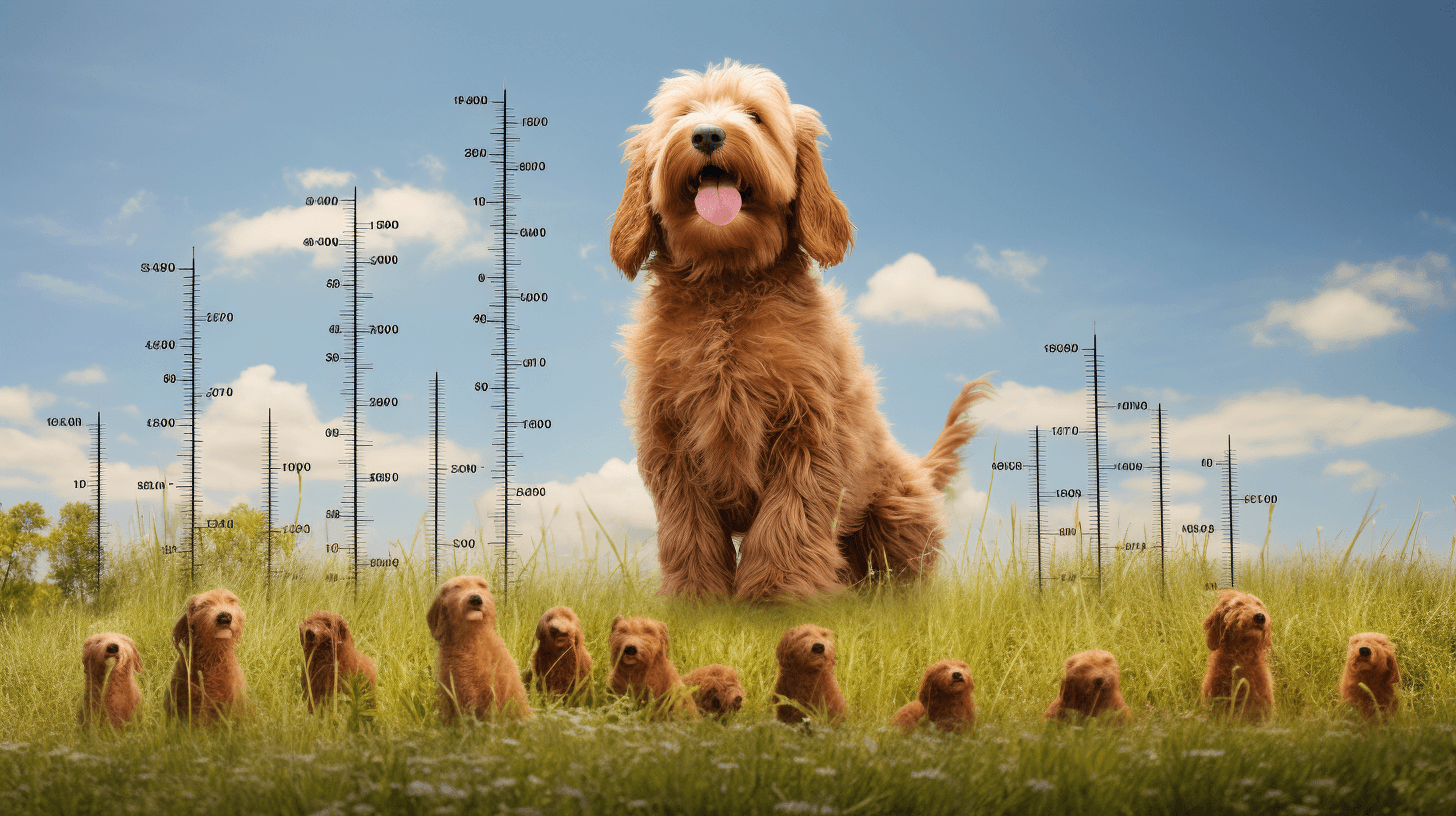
(718, 199)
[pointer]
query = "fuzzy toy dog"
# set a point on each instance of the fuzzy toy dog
(208, 681)
(1371, 676)
(806, 675)
(329, 658)
(477, 676)
(1238, 682)
(561, 664)
(641, 668)
(111, 663)
(752, 408)
(945, 699)
(1089, 689)
(717, 691)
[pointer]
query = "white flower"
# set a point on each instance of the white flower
(929, 773)
(453, 792)
(504, 782)
(419, 788)
(804, 807)
(726, 766)
(638, 803)
(1040, 785)
(363, 807)
(1321, 783)
(825, 771)
(1204, 752)
(870, 744)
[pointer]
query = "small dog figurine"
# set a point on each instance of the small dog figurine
(945, 700)
(1090, 688)
(329, 658)
(208, 681)
(1371, 676)
(806, 675)
(476, 673)
(717, 691)
(111, 662)
(561, 664)
(641, 668)
(1238, 681)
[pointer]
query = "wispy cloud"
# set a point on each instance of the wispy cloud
(1439, 222)
(910, 291)
(431, 165)
(86, 376)
(1366, 477)
(316, 177)
(1009, 264)
(1358, 303)
(68, 291)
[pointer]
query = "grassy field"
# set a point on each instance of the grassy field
(1311, 758)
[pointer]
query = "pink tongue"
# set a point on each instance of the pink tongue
(718, 205)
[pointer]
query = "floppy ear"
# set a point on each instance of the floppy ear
(343, 630)
(1213, 624)
(634, 235)
(662, 634)
(617, 621)
(1392, 666)
(436, 617)
(180, 631)
(136, 657)
(303, 633)
(924, 696)
(821, 221)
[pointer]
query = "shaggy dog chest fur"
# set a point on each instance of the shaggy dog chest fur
(208, 681)
(476, 674)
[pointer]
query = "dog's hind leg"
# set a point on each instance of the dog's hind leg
(900, 534)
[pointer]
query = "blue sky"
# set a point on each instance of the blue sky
(1255, 204)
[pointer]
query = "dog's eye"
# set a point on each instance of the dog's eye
(754, 117)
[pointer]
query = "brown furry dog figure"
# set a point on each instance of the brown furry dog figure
(717, 691)
(753, 410)
(1089, 689)
(1238, 681)
(1371, 676)
(208, 681)
(945, 700)
(641, 668)
(561, 664)
(806, 675)
(330, 659)
(111, 662)
(476, 674)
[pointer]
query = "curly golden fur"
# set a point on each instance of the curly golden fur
(111, 663)
(1238, 682)
(753, 411)
(1090, 688)
(208, 683)
(330, 658)
(561, 663)
(806, 658)
(946, 699)
(476, 674)
(642, 670)
(1371, 676)
(717, 691)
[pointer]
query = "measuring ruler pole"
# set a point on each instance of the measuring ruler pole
(1161, 503)
(99, 454)
(1043, 563)
(1230, 520)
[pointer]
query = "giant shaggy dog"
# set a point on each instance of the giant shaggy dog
(753, 410)
(477, 676)
(1238, 682)
(208, 681)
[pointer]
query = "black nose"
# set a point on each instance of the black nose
(555, 632)
(309, 635)
(708, 138)
(955, 675)
(111, 648)
(631, 650)
(818, 648)
(738, 702)
(1364, 651)
(1258, 617)
(224, 618)
(475, 600)
(1097, 681)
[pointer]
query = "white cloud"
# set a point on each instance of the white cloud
(86, 376)
(1358, 303)
(1366, 477)
(1440, 222)
(910, 291)
(585, 250)
(425, 216)
(1013, 265)
(314, 178)
(131, 206)
(18, 404)
(615, 493)
(65, 290)
(431, 165)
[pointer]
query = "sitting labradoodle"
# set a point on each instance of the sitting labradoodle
(806, 684)
(641, 668)
(945, 699)
(111, 663)
(476, 674)
(330, 661)
(1238, 682)
(561, 664)
(208, 683)
(1371, 676)
(1089, 689)
(717, 691)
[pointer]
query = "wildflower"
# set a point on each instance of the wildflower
(804, 807)
(638, 803)
(870, 744)
(726, 766)
(1040, 785)
(572, 792)
(929, 773)
(452, 792)
(825, 771)
(420, 788)
(1204, 752)
(504, 782)
(363, 808)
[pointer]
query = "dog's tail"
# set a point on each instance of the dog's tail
(944, 459)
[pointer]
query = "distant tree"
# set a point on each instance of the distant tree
(72, 547)
(239, 541)
(20, 543)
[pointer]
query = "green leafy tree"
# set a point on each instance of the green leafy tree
(20, 544)
(72, 547)
(238, 541)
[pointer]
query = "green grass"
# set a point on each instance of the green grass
(1175, 758)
